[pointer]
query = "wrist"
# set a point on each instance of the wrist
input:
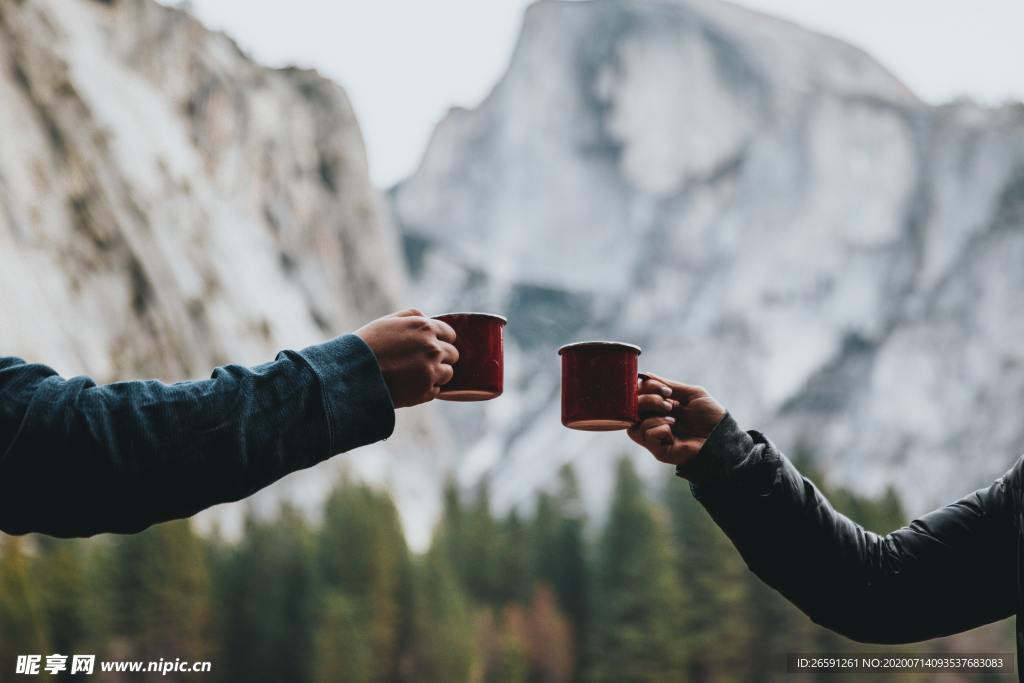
(724, 449)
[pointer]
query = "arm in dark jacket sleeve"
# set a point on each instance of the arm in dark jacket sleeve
(948, 571)
(78, 459)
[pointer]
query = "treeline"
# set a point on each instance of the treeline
(656, 593)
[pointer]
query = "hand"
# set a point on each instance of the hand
(415, 354)
(676, 419)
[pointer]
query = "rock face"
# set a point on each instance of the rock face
(167, 205)
(767, 211)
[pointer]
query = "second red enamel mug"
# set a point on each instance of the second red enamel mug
(599, 385)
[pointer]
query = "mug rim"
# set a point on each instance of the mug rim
(617, 344)
(475, 314)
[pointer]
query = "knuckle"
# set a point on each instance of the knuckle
(664, 456)
(656, 452)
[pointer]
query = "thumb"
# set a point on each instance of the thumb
(408, 313)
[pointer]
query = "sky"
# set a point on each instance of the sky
(404, 63)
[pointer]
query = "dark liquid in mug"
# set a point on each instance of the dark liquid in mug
(599, 386)
(479, 372)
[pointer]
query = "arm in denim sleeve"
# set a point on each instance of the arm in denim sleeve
(78, 459)
(947, 571)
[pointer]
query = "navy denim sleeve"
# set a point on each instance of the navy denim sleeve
(78, 459)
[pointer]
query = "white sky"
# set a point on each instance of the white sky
(405, 62)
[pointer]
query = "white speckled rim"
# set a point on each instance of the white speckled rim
(475, 314)
(621, 345)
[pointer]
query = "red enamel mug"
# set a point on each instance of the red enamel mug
(599, 385)
(480, 370)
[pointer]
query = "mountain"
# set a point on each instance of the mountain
(167, 205)
(767, 211)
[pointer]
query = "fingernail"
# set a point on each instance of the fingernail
(666, 392)
(670, 420)
(668, 405)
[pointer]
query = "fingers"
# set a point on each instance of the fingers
(651, 386)
(654, 434)
(443, 330)
(654, 404)
(440, 328)
(658, 440)
(681, 392)
(652, 422)
(444, 375)
(449, 354)
(637, 431)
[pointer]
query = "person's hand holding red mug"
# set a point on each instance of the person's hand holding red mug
(415, 354)
(676, 420)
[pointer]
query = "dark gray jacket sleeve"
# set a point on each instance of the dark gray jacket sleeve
(948, 571)
(78, 459)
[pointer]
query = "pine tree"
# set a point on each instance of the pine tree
(515, 560)
(510, 661)
(23, 626)
(342, 651)
(474, 543)
(638, 600)
(61, 573)
(363, 555)
(161, 593)
(712, 574)
(561, 554)
(269, 597)
(481, 567)
(548, 636)
(443, 638)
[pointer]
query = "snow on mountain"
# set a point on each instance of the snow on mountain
(767, 211)
(167, 205)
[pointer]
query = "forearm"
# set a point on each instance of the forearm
(946, 572)
(88, 459)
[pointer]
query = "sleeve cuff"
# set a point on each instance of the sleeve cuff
(725, 449)
(356, 398)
